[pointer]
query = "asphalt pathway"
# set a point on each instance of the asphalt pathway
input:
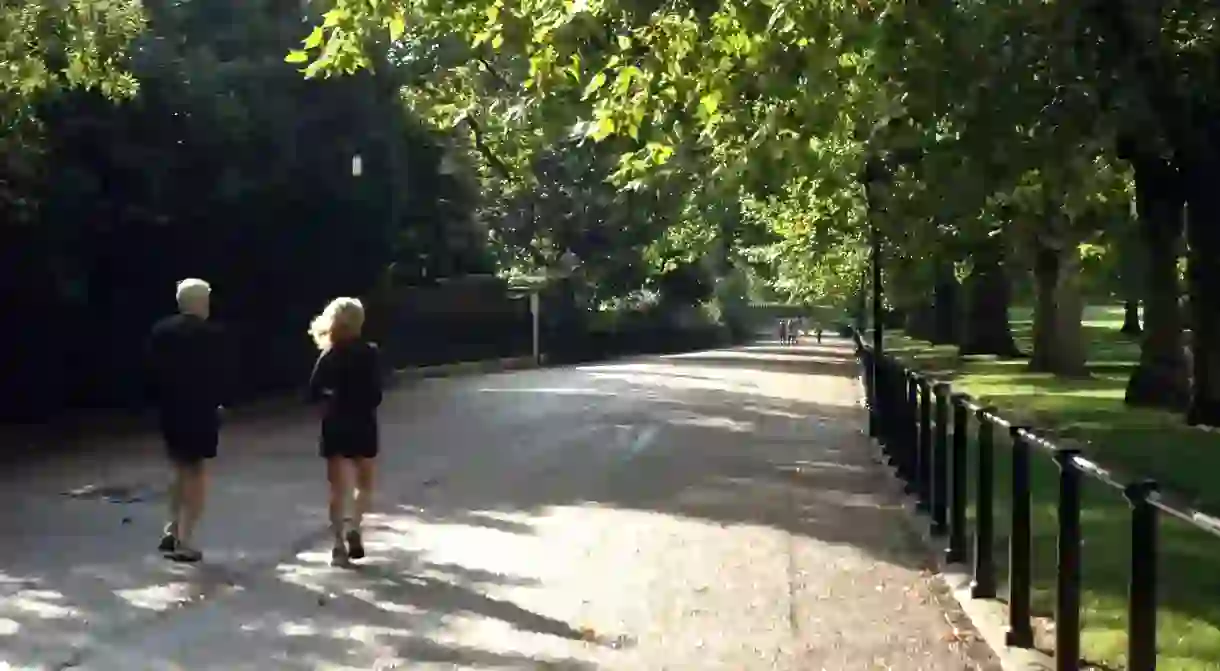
(717, 510)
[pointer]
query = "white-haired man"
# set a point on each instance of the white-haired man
(189, 367)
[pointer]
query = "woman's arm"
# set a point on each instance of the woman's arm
(320, 384)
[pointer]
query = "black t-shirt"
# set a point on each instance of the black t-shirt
(189, 363)
(348, 375)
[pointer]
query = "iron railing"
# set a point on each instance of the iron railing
(913, 414)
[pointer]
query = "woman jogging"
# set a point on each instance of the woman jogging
(346, 381)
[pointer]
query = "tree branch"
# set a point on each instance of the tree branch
(493, 160)
(495, 73)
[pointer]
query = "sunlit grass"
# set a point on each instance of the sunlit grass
(1135, 442)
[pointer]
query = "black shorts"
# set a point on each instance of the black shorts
(351, 437)
(190, 437)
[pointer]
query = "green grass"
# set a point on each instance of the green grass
(1135, 442)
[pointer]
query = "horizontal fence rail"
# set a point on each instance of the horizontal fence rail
(924, 429)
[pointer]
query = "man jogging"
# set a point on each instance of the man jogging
(188, 377)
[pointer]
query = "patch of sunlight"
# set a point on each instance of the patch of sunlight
(298, 629)
(1102, 393)
(1186, 642)
(670, 381)
(306, 575)
(9, 627)
(709, 422)
(367, 634)
(387, 606)
(774, 412)
(42, 594)
(800, 466)
(1109, 642)
(555, 391)
(40, 607)
(995, 362)
(155, 597)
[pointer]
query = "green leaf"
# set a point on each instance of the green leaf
(601, 130)
(599, 80)
(295, 56)
(315, 39)
(710, 102)
(398, 26)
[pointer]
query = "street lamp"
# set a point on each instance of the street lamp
(875, 176)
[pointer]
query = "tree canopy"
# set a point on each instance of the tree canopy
(985, 134)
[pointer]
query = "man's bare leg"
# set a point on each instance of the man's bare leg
(194, 495)
(169, 538)
(192, 491)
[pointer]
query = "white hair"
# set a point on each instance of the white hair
(193, 295)
(342, 316)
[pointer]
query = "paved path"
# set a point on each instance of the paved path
(696, 512)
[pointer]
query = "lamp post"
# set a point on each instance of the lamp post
(874, 176)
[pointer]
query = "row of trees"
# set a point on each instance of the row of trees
(977, 138)
(144, 142)
(177, 142)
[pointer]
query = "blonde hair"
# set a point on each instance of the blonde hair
(192, 295)
(343, 317)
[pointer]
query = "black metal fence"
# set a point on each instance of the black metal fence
(924, 430)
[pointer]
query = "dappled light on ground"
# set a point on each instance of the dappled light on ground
(710, 511)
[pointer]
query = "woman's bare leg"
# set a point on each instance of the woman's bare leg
(336, 476)
(365, 472)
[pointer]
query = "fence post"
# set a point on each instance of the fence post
(892, 427)
(1142, 591)
(957, 491)
(940, 462)
(911, 422)
(1020, 631)
(924, 478)
(983, 586)
(1067, 587)
(897, 391)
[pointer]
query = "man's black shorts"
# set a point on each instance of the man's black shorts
(191, 435)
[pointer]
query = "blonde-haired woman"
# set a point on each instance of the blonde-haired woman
(347, 381)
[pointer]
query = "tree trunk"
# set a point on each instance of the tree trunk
(1059, 345)
(1203, 236)
(1131, 317)
(985, 328)
(1162, 378)
(921, 321)
(945, 304)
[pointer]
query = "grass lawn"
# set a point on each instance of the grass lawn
(1139, 443)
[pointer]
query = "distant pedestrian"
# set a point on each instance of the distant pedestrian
(819, 333)
(346, 381)
(783, 332)
(188, 366)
